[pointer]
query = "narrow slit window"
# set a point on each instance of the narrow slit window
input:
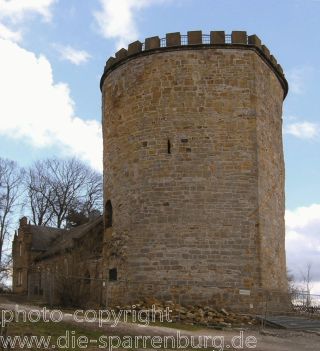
(113, 274)
(108, 214)
(169, 146)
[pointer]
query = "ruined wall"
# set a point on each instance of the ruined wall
(22, 256)
(190, 144)
(68, 280)
(71, 276)
(68, 270)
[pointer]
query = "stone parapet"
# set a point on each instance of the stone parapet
(193, 40)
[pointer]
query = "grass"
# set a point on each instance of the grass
(70, 333)
(53, 332)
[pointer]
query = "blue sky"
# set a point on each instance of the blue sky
(52, 54)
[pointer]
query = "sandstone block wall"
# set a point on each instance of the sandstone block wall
(271, 180)
(193, 167)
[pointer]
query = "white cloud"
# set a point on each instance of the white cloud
(297, 78)
(7, 33)
(13, 12)
(303, 241)
(303, 130)
(117, 19)
(17, 9)
(73, 55)
(38, 110)
(34, 107)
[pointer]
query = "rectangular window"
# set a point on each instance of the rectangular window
(113, 275)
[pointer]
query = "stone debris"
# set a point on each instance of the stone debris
(193, 315)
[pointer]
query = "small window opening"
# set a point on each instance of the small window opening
(108, 214)
(169, 147)
(113, 274)
(184, 140)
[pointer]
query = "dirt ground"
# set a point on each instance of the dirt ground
(234, 339)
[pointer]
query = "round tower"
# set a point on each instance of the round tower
(194, 171)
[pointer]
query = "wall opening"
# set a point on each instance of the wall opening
(113, 275)
(108, 214)
(169, 146)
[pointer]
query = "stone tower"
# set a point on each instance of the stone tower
(194, 171)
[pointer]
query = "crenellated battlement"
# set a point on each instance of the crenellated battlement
(196, 39)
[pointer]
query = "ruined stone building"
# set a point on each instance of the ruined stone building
(193, 177)
(53, 263)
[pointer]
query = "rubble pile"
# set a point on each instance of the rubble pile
(194, 315)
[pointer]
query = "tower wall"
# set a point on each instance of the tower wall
(193, 167)
(271, 181)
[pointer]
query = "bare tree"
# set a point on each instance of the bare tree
(292, 285)
(93, 197)
(38, 195)
(5, 271)
(307, 283)
(10, 180)
(55, 187)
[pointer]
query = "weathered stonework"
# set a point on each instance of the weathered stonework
(193, 167)
(59, 265)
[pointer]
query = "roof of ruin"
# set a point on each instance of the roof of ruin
(66, 238)
(42, 237)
